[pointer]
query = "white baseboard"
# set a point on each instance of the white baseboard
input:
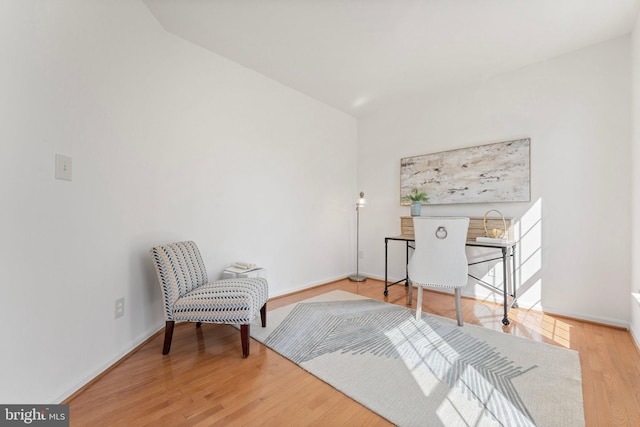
(618, 323)
(97, 372)
(635, 338)
(635, 323)
(308, 285)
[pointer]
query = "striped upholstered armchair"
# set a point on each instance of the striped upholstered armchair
(190, 297)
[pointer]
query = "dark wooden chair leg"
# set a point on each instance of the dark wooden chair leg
(198, 324)
(263, 315)
(244, 336)
(168, 334)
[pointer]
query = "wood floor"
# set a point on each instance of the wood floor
(205, 382)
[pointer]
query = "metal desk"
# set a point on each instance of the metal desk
(507, 249)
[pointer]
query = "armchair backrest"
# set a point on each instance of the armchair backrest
(439, 258)
(180, 269)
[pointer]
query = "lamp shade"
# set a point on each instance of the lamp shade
(361, 201)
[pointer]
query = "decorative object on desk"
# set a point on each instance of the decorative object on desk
(359, 204)
(489, 173)
(433, 372)
(495, 233)
(416, 198)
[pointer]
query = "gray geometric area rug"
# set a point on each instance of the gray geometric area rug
(429, 372)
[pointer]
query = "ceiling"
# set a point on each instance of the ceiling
(357, 54)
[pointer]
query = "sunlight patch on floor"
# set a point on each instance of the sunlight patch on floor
(417, 343)
(408, 340)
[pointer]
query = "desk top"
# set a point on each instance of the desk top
(411, 238)
(476, 226)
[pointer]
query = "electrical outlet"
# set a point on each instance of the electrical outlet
(63, 167)
(119, 308)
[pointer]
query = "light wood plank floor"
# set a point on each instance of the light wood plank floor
(204, 381)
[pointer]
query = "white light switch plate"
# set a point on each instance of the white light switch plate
(63, 167)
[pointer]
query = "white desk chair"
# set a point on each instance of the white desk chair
(439, 258)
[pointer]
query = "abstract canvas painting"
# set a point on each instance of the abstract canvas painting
(482, 174)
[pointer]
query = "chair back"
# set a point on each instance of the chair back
(180, 269)
(439, 258)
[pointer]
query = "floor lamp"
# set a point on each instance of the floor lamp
(359, 204)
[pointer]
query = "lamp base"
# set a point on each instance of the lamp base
(357, 278)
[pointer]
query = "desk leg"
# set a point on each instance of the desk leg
(513, 284)
(406, 265)
(406, 278)
(386, 282)
(505, 278)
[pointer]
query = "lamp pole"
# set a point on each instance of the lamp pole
(359, 204)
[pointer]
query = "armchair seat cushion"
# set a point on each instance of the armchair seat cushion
(229, 301)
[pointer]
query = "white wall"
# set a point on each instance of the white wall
(635, 146)
(575, 258)
(169, 142)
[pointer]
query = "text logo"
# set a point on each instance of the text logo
(36, 415)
